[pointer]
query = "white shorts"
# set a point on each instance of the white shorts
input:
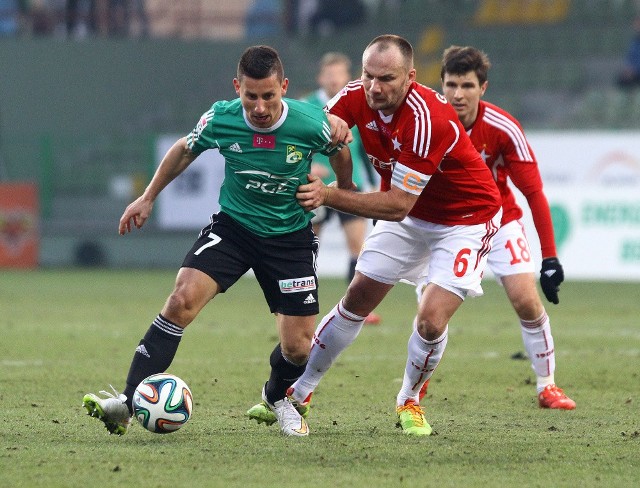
(510, 253)
(450, 256)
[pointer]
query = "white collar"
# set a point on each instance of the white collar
(279, 122)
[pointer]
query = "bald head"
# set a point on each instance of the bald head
(391, 45)
(387, 72)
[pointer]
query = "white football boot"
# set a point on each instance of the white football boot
(289, 419)
(112, 410)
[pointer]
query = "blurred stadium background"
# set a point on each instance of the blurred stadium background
(85, 97)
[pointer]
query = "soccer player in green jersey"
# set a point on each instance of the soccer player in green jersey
(267, 142)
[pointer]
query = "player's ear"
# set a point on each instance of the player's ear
(285, 85)
(236, 85)
(483, 88)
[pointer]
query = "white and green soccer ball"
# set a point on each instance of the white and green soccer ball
(162, 403)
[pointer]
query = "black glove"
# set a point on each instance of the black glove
(551, 275)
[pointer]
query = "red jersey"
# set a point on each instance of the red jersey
(425, 136)
(501, 142)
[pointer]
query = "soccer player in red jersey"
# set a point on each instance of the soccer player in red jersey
(438, 209)
(501, 142)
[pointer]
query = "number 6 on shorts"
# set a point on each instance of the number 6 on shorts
(462, 262)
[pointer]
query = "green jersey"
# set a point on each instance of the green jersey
(358, 156)
(264, 167)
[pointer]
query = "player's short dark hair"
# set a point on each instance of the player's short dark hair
(386, 41)
(260, 62)
(459, 60)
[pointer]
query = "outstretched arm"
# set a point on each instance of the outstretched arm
(393, 205)
(175, 161)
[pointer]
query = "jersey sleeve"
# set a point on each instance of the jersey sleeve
(201, 137)
(323, 136)
(514, 145)
(425, 144)
(408, 179)
(526, 178)
(342, 106)
(423, 147)
(541, 214)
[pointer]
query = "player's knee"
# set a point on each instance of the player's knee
(299, 358)
(181, 306)
(527, 307)
(358, 299)
(297, 353)
(428, 328)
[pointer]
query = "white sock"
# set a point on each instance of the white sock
(335, 332)
(538, 342)
(422, 359)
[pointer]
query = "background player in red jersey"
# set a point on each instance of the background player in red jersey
(501, 142)
(438, 207)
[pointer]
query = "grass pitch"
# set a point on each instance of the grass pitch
(66, 333)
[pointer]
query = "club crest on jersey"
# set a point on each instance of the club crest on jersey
(295, 285)
(293, 156)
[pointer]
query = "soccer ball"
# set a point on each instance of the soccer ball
(162, 403)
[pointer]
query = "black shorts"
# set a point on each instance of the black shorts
(285, 266)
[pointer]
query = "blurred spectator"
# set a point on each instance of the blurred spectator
(8, 18)
(290, 14)
(104, 17)
(118, 18)
(79, 17)
(334, 15)
(298, 14)
(113, 18)
(137, 19)
(322, 17)
(630, 74)
(45, 16)
(263, 19)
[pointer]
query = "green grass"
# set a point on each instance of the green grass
(65, 333)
